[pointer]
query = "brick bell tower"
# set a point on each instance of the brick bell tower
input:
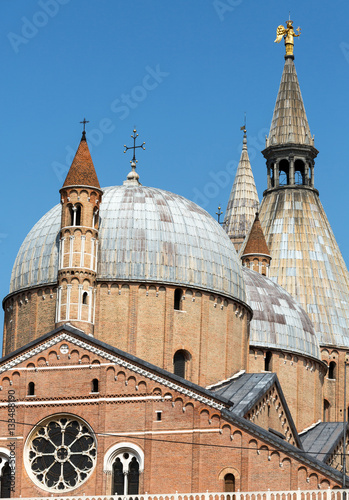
(81, 197)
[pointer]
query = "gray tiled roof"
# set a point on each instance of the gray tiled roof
(146, 234)
(278, 320)
(321, 440)
(306, 260)
(245, 391)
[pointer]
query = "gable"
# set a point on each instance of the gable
(258, 398)
(51, 359)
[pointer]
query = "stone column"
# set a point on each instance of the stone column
(306, 173)
(312, 173)
(276, 173)
(268, 176)
(291, 170)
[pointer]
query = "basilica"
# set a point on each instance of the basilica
(147, 349)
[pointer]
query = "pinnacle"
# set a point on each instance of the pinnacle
(256, 243)
(289, 123)
(243, 201)
(82, 171)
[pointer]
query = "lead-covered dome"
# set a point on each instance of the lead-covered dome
(146, 234)
(278, 322)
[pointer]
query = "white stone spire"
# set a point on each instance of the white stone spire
(243, 201)
(289, 123)
(306, 260)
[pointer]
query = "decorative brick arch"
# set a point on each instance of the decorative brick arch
(118, 448)
(236, 474)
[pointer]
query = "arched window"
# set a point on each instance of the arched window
(78, 216)
(284, 173)
(5, 488)
(229, 483)
(31, 389)
(70, 215)
(126, 474)
(272, 180)
(125, 462)
(326, 415)
(75, 215)
(332, 370)
(178, 299)
(85, 298)
(118, 479)
(299, 171)
(133, 477)
(95, 385)
(267, 361)
(179, 361)
(95, 221)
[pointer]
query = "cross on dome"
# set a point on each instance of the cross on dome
(133, 177)
(134, 147)
(84, 121)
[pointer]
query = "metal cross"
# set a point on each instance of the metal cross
(134, 147)
(84, 122)
(219, 213)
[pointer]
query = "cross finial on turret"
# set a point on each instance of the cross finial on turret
(245, 136)
(219, 213)
(134, 147)
(84, 121)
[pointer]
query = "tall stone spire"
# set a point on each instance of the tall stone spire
(289, 123)
(306, 260)
(243, 201)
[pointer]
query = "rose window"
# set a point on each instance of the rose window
(61, 453)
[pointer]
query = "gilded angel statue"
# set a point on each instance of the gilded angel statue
(288, 34)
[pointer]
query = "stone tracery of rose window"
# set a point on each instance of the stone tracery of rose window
(61, 453)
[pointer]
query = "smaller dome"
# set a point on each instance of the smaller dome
(279, 322)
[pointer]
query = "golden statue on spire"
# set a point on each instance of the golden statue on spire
(288, 34)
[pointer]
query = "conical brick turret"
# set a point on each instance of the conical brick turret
(255, 252)
(81, 197)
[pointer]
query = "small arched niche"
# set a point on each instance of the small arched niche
(229, 483)
(31, 389)
(332, 370)
(180, 363)
(268, 361)
(178, 295)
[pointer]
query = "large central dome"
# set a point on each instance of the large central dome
(146, 234)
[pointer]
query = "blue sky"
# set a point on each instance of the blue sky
(183, 72)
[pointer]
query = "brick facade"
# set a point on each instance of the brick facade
(194, 445)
